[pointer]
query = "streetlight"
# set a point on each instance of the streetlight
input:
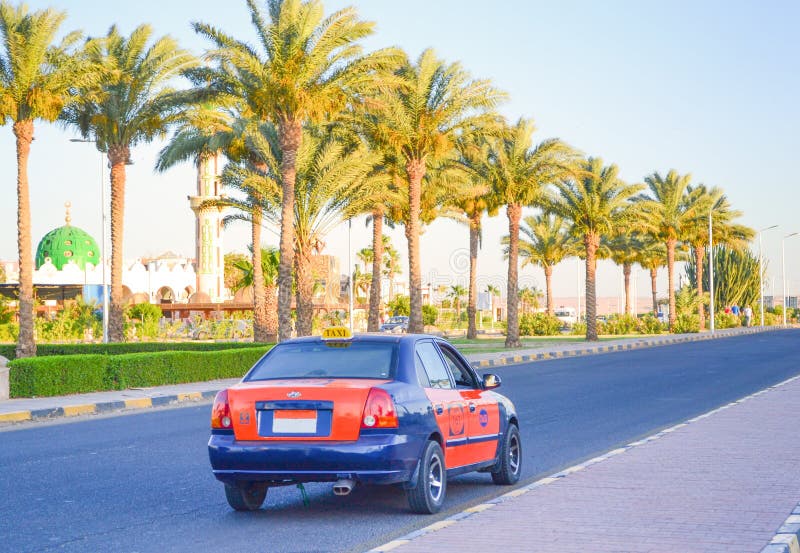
(761, 271)
(103, 239)
(711, 269)
(783, 270)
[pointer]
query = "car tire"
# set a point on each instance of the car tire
(509, 465)
(427, 497)
(247, 496)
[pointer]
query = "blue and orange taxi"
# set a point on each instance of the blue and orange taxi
(372, 408)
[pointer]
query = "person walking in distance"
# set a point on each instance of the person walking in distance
(748, 315)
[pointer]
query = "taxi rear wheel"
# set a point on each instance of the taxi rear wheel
(428, 495)
(509, 466)
(247, 496)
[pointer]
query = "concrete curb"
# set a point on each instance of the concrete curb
(594, 350)
(510, 359)
(785, 541)
(105, 406)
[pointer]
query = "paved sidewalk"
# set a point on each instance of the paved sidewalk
(20, 410)
(723, 482)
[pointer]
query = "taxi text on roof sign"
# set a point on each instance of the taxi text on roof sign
(337, 333)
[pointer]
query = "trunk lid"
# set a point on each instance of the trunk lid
(318, 409)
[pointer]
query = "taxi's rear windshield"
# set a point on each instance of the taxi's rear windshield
(327, 360)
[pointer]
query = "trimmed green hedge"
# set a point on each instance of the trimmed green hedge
(74, 374)
(42, 350)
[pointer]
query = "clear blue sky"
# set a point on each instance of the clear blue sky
(708, 88)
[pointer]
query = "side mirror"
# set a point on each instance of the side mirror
(490, 381)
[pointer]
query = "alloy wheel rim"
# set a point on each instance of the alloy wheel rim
(513, 455)
(435, 478)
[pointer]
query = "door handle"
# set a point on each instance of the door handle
(439, 409)
(471, 407)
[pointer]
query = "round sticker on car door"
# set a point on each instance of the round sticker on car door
(483, 418)
(456, 417)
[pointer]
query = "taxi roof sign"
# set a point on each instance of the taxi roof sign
(337, 333)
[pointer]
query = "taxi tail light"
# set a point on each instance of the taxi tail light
(221, 411)
(379, 410)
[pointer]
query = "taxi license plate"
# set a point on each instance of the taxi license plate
(294, 421)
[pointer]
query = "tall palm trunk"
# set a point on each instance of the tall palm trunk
(26, 345)
(474, 240)
(671, 278)
(260, 333)
(654, 288)
(374, 320)
(699, 254)
(548, 283)
(416, 172)
(626, 272)
(117, 156)
(591, 242)
(305, 292)
(514, 213)
(271, 308)
(290, 133)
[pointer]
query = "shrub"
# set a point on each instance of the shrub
(726, 320)
(620, 324)
(70, 374)
(145, 318)
(8, 333)
(51, 376)
(649, 324)
(400, 305)
(429, 315)
(578, 329)
(43, 350)
(686, 323)
(539, 324)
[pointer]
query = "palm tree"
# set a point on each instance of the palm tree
(519, 174)
(622, 248)
(417, 124)
(529, 298)
(456, 293)
(652, 255)
(545, 242)
(308, 70)
(667, 213)
(725, 231)
(596, 202)
(383, 264)
(205, 130)
(132, 104)
(37, 79)
(332, 181)
(269, 259)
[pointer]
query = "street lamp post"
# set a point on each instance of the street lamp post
(102, 238)
(783, 271)
(711, 270)
(761, 272)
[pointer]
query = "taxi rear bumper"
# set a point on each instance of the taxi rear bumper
(373, 459)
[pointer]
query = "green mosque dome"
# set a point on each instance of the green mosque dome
(65, 244)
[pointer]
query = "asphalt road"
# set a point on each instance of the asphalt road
(141, 482)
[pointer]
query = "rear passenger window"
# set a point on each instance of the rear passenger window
(422, 376)
(433, 365)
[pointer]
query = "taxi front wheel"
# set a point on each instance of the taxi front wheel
(427, 496)
(247, 496)
(509, 466)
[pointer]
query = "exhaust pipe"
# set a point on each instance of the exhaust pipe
(343, 486)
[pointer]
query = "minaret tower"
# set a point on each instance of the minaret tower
(210, 265)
